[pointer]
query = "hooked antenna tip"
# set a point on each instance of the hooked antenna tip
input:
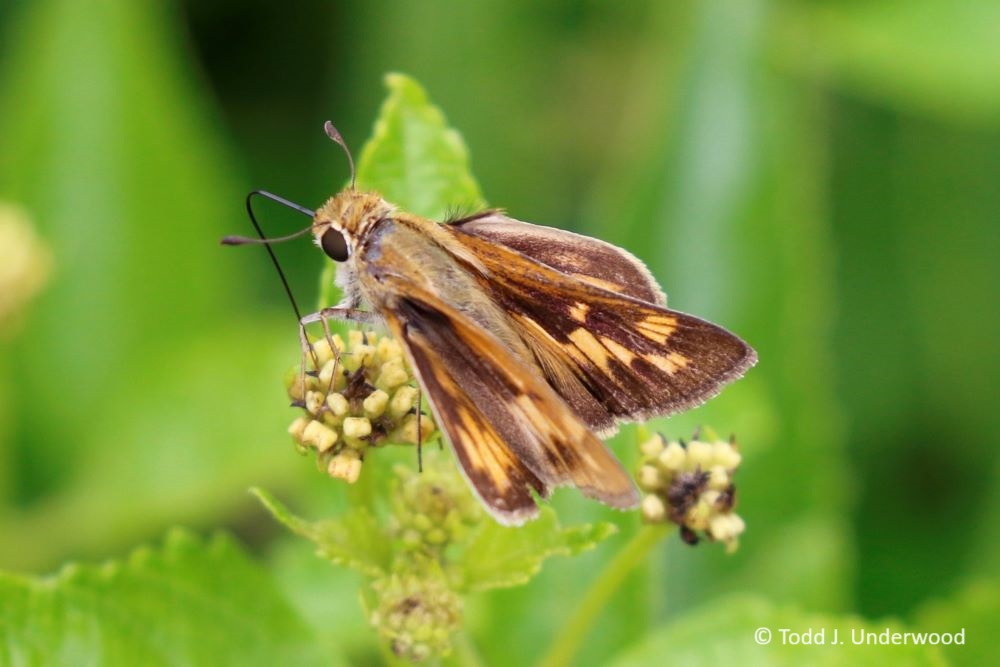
(332, 132)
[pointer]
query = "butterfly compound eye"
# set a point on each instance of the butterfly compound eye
(334, 245)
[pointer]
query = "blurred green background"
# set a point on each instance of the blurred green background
(820, 177)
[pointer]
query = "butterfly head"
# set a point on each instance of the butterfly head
(340, 224)
(344, 219)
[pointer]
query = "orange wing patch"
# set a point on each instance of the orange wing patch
(657, 327)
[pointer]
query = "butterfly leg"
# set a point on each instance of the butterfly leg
(323, 316)
(420, 434)
(336, 358)
(341, 314)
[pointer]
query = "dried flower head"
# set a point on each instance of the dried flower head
(355, 395)
(692, 485)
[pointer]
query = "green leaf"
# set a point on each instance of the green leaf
(414, 160)
(976, 609)
(187, 603)
(354, 540)
(723, 633)
(499, 557)
(323, 596)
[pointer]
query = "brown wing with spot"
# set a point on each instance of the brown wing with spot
(612, 357)
(511, 432)
(582, 257)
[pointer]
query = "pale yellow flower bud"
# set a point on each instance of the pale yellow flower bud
(298, 427)
(649, 478)
(653, 509)
(326, 375)
(652, 447)
(360, 353)
(699, 455)
(718, 478)
(319, 435)
(297, 384)
(402, 401)
(726, 527)
(698, 516)
(357, 427)
(672, 458)
(393, 374)
(367, 353)
(324, 352)
(314, 402)
(388, 349)
(726, 455)
(375, 404)
(356, 338)
(338, 404)
(407, 430)
(346, 466)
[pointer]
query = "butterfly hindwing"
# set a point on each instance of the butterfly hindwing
(511, 433)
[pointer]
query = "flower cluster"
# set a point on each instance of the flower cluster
(416, 613)
(355, 396)
(415, 606)
(691, 484)
(432, 509)
(25, 263)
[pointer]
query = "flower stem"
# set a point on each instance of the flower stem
(567, 642)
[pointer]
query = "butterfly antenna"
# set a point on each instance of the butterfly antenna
(266, 242)
(332, 132)
(245, 240)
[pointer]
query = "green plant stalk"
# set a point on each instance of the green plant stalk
(567, 642)
(466, 653)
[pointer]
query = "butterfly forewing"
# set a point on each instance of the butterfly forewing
(609, 355)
